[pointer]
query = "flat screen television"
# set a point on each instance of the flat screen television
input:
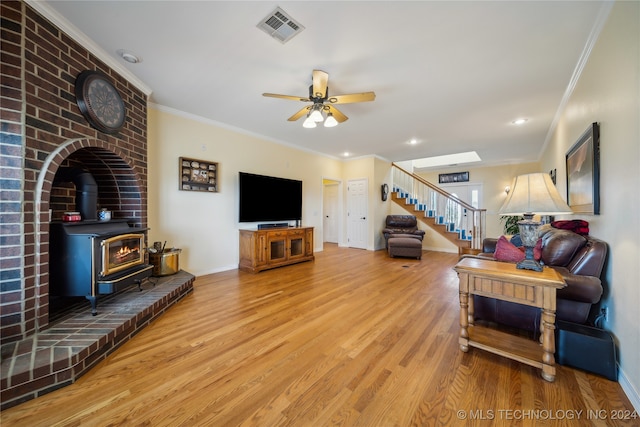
(268, 198)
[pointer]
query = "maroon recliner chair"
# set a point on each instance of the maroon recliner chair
(401, 226)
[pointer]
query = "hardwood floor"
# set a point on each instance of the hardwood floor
(354, 338)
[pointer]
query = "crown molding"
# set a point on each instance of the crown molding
(601, 20)
(205, 120)
(72, 31)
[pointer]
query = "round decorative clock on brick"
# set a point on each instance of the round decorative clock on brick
(99, 101)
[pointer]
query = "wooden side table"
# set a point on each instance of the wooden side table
(503, 281)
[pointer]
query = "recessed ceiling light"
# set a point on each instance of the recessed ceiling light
(519, 121)
(129, 56)
(346, 154)
(413, 141)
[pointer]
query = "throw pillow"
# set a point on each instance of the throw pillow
(508, 252)
(516, 240)
(578, 226)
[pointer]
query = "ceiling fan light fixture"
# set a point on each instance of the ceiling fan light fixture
(318, 110)
(316, 115)
(309, 123)
(331, 121)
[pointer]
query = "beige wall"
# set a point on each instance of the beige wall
(205, 225)
(608, 92)
(382, 175)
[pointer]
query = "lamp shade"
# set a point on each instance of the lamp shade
(534, 193)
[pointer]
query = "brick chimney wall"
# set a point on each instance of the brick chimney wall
(42, 129)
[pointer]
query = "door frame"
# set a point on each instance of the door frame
(367, 231)
(341, 211)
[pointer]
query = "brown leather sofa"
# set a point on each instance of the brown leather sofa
(401, 226)
(579, 260)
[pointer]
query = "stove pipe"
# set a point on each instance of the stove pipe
(86, 192)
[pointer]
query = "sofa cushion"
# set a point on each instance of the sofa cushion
(401, 221)
(404, 242)
(560, 246)
(579, 288)
(404, 235)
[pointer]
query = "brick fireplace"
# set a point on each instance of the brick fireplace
(42, 132)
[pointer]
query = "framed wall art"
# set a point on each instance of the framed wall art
(583, 172)
(198, 175)
(447, 178)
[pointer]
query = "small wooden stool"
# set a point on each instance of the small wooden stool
(405, 247)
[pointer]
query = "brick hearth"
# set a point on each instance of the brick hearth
(73, 344)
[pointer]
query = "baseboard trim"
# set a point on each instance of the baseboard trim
(629, 389)
(441, 249)
(216, 270)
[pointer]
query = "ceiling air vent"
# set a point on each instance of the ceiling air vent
(280, 26)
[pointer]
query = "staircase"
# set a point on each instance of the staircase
(460, 223)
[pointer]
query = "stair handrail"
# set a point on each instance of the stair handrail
(479, 215)
(438, 189)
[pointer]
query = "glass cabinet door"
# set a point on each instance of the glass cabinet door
(277, 250)
(297, 247)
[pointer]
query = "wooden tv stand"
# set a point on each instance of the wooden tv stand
(276, 247)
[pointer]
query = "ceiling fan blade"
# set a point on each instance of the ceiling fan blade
(352, 97)
(290, 97)
(337, 114)
(320, 80)
(299, 114)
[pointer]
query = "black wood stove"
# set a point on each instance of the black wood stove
(93, 257)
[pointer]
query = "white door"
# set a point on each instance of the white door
(468, 193)
(330, 213)
(357, 221)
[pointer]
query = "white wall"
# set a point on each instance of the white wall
(608, 92)
(205, 225)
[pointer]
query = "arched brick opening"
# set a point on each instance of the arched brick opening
(119, 190)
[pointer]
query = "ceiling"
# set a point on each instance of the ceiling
(451, 74)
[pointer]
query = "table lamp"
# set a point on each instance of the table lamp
(532, 194)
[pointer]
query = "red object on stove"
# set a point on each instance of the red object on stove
(71, 216)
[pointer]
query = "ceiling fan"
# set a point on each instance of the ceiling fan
(322, 103)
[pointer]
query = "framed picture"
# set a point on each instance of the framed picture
(198, 175)
(583, 172)
(447, 178)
